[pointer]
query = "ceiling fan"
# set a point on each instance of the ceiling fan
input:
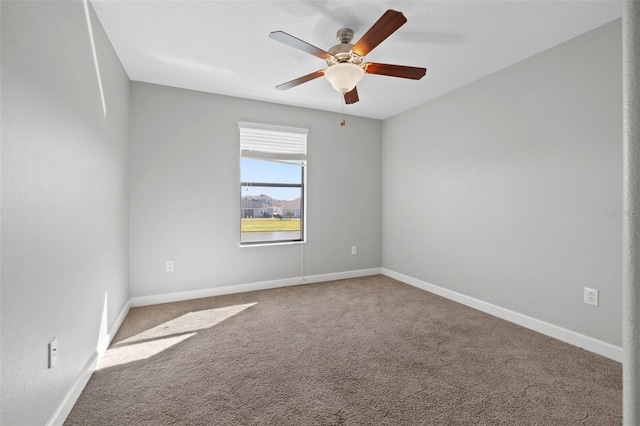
(345, 60)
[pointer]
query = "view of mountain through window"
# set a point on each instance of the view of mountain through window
(272, 200)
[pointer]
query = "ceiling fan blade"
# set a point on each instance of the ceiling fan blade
(402, 71)
(292, 41)
(300, 80)
(388, 23)
(351, 97)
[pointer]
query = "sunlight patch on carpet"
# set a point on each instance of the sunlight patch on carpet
(139, 351)
(161, 337)
(189, 322)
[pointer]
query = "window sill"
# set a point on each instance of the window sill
(283, 243)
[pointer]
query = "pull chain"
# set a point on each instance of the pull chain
(342, 105)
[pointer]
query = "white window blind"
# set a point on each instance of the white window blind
(270, 142)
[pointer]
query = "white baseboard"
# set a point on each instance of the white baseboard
(106, 340)
(69, 400)
(594, 345)
(243, 288)
(63, 410)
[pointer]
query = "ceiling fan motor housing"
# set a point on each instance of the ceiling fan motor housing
(341, 53)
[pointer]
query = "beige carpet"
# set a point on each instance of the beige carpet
(365, 351)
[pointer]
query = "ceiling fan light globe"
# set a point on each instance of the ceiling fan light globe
(344, 76)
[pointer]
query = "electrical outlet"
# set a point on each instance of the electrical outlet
(171, 266)
(591, 296)
(354, 250)
(53, 352)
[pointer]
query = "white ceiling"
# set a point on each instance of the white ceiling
(223, 46)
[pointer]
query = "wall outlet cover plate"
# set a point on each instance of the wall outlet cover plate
(591, 296)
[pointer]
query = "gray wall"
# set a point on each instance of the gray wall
(499, 190)
(64, 201)
(184, 192)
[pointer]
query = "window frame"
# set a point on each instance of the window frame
(294, 154)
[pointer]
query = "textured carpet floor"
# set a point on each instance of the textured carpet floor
(361, 351)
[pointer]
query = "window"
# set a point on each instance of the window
(272, 183)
